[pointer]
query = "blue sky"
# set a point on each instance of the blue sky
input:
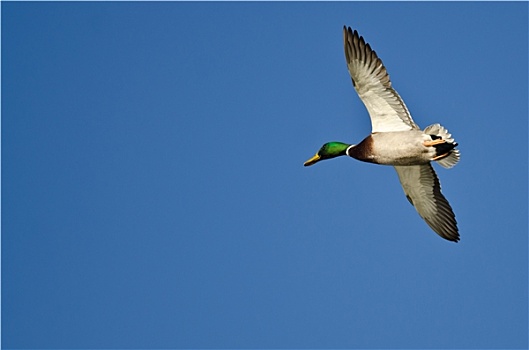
(154, 194)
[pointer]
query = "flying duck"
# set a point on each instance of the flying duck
(396, 140)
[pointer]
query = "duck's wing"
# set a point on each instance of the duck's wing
(423, 190)
(371, 81)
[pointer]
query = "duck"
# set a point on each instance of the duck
(396, 140)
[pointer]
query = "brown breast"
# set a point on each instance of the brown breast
(363, 151)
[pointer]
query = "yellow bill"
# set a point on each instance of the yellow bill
(312, 160)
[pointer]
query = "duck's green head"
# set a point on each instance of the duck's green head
(328, 151)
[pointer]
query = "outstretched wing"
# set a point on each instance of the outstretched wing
(423, 190)
(371, 81)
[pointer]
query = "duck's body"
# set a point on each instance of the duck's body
(396, 140)
(394, 148)
(413, 147)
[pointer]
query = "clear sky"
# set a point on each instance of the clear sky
(154, 194)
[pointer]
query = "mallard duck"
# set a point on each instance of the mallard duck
(396, 140)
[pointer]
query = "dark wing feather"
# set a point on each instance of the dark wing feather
(423, 190)
(371, 81)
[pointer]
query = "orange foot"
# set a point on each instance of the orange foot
(441, 156)
(433, 142)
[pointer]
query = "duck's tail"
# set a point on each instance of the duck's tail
(448, 155)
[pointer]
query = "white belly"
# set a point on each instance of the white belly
(401, 148)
